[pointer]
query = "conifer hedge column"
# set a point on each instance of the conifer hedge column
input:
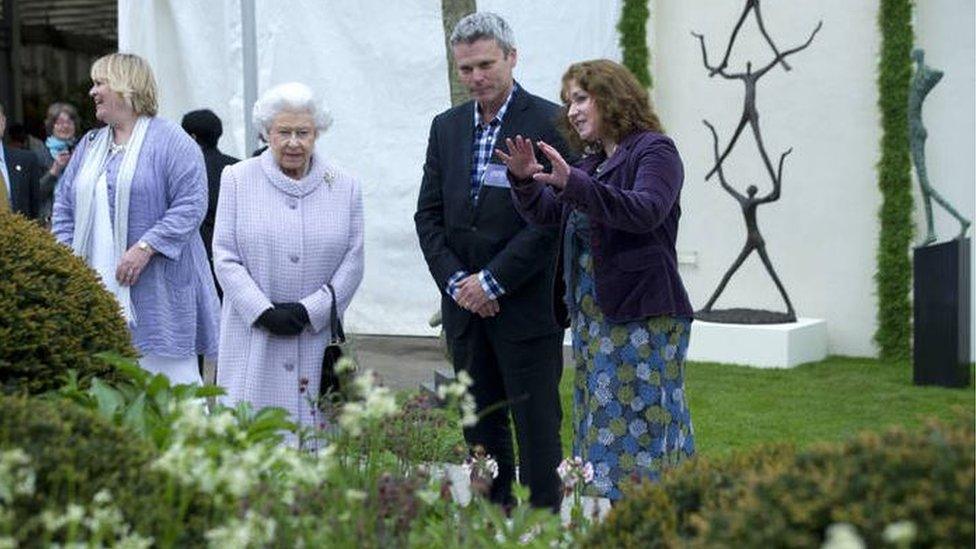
(633, 39)
(894, 274)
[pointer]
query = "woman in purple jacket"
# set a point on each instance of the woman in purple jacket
(630, 315)
(130, 203)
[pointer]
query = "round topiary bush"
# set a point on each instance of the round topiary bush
(56, 313)
(75, 454)
(777, 497)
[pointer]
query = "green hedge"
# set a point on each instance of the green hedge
(75, 454)
(633, 39)
(894, 275)
(56, 313)
(776, 497)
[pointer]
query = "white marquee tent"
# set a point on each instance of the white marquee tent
(381, 68)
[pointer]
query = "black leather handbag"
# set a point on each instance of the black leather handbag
(329, 385)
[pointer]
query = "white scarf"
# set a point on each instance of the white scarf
(96, 157)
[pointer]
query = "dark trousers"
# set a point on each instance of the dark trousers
(518, 379)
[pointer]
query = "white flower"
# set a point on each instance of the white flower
(575, 470)
(842, 536)
(345, 365)
(134, 541)
(103, 497)
(355, 495)
(482, 466)
(254, 530)
(16, 476)
(900, 533)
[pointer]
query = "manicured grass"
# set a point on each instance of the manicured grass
(736, 407)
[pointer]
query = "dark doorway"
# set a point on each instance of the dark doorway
(46, 50)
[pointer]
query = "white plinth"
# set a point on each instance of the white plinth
(759, 345)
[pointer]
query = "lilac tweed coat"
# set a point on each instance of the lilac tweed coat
(278, 240)
(175, 299)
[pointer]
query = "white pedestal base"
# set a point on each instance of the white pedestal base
(759, 345)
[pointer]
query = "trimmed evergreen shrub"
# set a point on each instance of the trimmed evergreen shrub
(777, 497)
(75, 454)
(56, 313)
(894, 274)
(633, 39)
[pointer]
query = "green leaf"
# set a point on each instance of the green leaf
(109, 400)
(135, 415)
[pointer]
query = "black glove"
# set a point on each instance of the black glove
(284, 319)
(297, 310)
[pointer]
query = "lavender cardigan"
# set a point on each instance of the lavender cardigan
(175, 299)
(633, 205)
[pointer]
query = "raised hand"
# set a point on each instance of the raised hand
(560, 168)
(520, 159)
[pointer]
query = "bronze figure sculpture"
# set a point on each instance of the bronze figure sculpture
(749, 202)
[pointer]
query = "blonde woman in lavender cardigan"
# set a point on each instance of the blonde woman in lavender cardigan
(288, 226)
(130, 203)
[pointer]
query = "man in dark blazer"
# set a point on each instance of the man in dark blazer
(494, 271)
(20, 175)
(205, 128)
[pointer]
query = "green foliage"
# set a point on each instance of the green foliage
(894, 275)
(75, 454)
(421, 433)
(56, 314)
(633, 39)
(775, 496)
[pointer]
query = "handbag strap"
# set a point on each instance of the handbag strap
(338, 336)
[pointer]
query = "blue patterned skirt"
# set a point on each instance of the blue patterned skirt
(630, 414)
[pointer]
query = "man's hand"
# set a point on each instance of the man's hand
(470, 294)
(489, 309)
(134, 260)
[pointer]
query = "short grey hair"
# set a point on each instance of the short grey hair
(484, 25)
(288, 97)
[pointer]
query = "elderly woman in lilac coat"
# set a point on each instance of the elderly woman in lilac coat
(130, 203)
(288, 233)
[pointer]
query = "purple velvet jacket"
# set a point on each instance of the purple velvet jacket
(633, 206)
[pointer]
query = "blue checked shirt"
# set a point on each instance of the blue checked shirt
(484, 143)
(482, 149)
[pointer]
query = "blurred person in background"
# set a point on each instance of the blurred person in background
(205, 128)
(62, 124)
(19, 178)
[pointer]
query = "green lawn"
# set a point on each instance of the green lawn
(734, 407)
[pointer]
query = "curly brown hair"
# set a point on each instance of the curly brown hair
(624, 104)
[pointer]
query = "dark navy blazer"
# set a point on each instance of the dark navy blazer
(633, 206)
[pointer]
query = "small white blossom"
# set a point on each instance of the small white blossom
(900, 533)
(572, 471)
(16, 476)
(842, 536)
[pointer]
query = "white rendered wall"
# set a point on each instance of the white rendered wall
(945, 30)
